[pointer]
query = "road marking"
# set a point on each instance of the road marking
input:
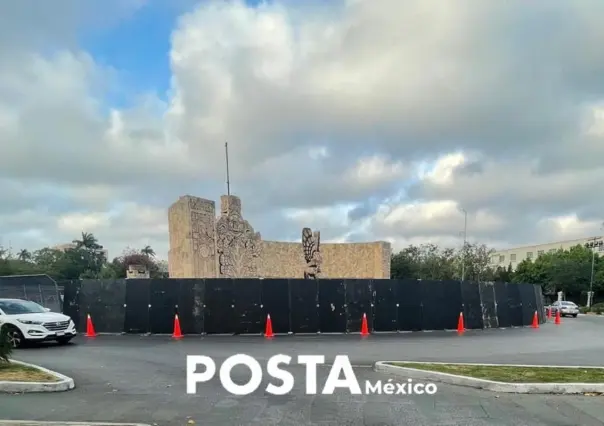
(37, 423)
(353, 365)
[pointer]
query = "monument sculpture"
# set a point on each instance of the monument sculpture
(205, 243)
(237, 245)
(311, 244)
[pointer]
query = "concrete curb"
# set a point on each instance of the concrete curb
(490, 385)
(63, 384)
(36, 423)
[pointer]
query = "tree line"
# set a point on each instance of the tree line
(569, 271)
(85, 259)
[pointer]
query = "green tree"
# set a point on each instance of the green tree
(426, 262)
(24, 255)
(134, 257)
(148, 251)
(87, 241)
(6, 349)
(476, 259)
(563, 270)
(504, 275)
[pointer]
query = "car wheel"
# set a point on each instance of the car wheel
(574, 315)
(14, 336)
(63, 340)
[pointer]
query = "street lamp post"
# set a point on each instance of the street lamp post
(463, 250)
(591, 281)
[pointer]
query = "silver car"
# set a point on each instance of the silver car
(566, 309)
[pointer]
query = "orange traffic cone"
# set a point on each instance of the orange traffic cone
(549, 313)
(89, 327)
(268, 332)
(460, 325)
(535, 320)
(557, 320)
(177, 333)
(364, 327)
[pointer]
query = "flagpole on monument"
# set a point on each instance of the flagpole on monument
(226, 154)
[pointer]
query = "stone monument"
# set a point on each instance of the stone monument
(204, 245)
(237, 245)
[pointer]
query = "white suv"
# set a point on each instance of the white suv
(26, 321)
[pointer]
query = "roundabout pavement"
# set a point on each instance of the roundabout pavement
(141, 379)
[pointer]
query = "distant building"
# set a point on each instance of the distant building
(137, 272)
(71, 246)
(516, 255)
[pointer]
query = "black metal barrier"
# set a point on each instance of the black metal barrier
(37, 288)
(240, 306)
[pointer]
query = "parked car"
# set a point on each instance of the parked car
(25, 321)
(565, 308)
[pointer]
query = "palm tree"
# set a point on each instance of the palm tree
(88, 241)
(24, 255)
(148, 251)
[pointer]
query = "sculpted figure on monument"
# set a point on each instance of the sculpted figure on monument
(312, 253)
(238, 246)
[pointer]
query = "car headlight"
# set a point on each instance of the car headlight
(30, 322)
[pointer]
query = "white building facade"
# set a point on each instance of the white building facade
(514, 256)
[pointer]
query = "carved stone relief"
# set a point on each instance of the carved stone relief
(201, 205)
(311, 244)
(238, 245)
(202, 227)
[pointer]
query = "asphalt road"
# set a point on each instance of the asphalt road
(142, 379)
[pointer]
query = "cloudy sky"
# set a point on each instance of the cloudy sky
(364, 119)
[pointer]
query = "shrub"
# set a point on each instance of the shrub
(6, 349)
(584, 309)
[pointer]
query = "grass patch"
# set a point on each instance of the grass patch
(11, 372)
(510, 374)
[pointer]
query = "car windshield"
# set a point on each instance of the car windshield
(568, 304)
(17, 307)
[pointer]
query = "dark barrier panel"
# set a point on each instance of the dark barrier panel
(40, 289)
(472, 305)
(528, 302)
(248, 306)
(539, 300)
(441, 304)
(385, 314)
(304, 310)
(227, 306)
(104, 301)
(276, 302)
(503, 308)
(71, 301)
(138, 298)
(409, 302)
(515, 305)
(190, 305)
(220, 316)
(454, 304)
(164, 304)
(489, 310)
(359, 298)
(332, 310)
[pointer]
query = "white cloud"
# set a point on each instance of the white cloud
(365, 119)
